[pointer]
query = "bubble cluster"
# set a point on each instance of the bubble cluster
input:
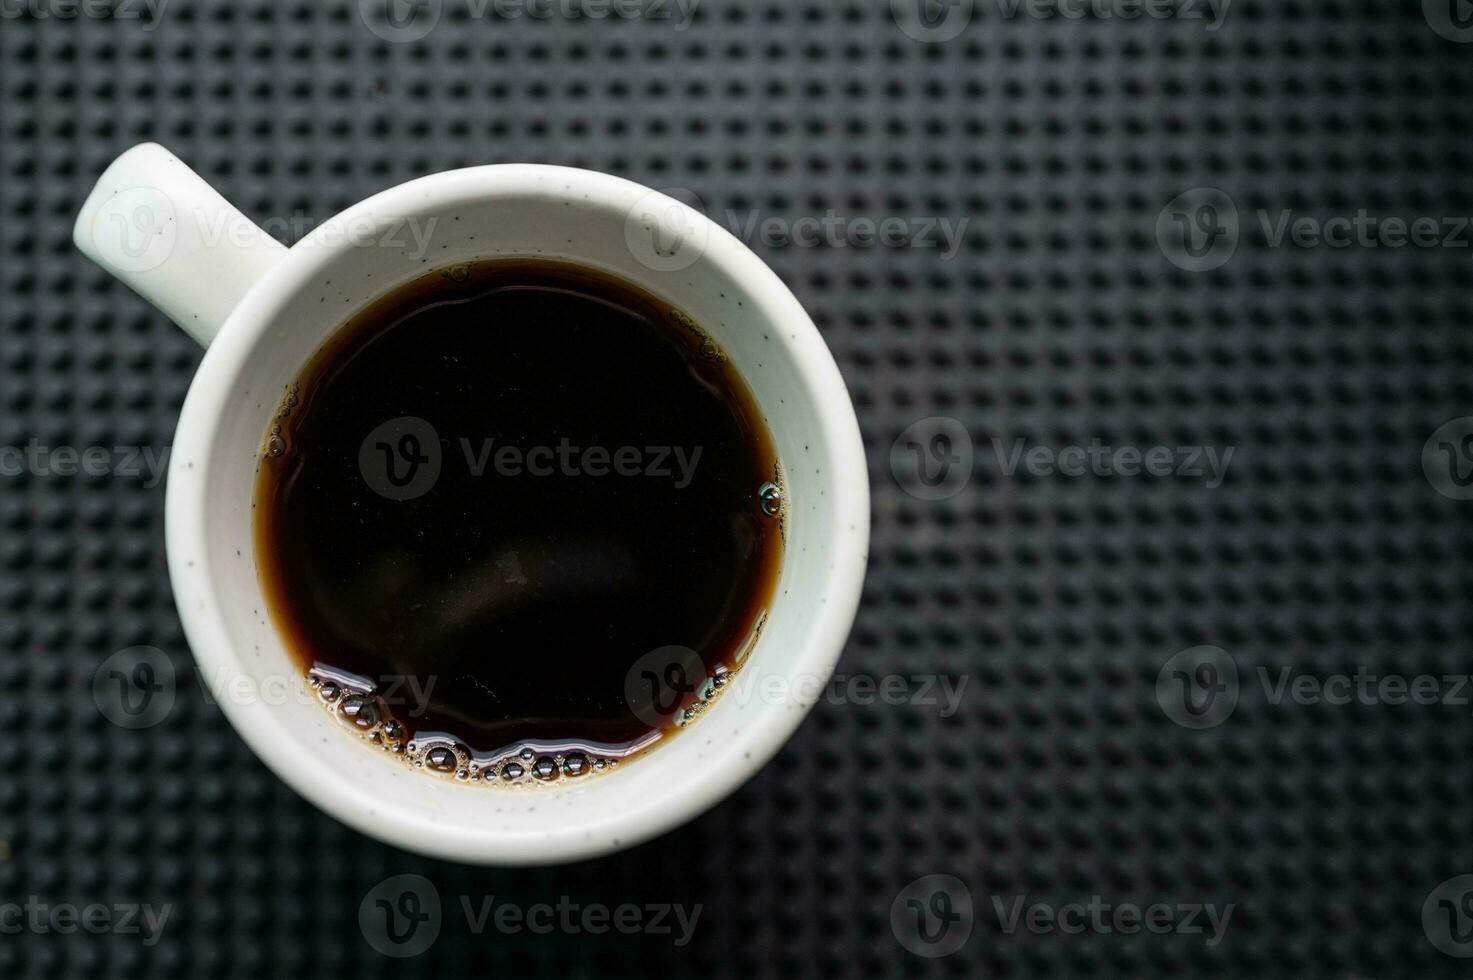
(708, 347)
(359, 706)
(276, 442)
(720, 677)
(530, 768)
(772, 499)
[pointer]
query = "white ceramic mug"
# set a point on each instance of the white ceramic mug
(263, 310)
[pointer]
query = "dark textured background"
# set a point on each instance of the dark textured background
(1060, 321)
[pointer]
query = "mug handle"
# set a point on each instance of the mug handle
(156, 225)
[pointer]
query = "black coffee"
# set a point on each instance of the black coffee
(518, 520)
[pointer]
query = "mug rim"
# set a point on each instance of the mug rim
(187, 511)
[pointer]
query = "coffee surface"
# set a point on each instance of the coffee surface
(495, 510)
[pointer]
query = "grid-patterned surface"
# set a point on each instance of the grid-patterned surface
(1066, 313)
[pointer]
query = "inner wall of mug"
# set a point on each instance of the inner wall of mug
(755, 329)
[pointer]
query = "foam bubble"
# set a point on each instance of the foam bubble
(356, 701)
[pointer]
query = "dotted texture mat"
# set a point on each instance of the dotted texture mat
(1065, 313)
